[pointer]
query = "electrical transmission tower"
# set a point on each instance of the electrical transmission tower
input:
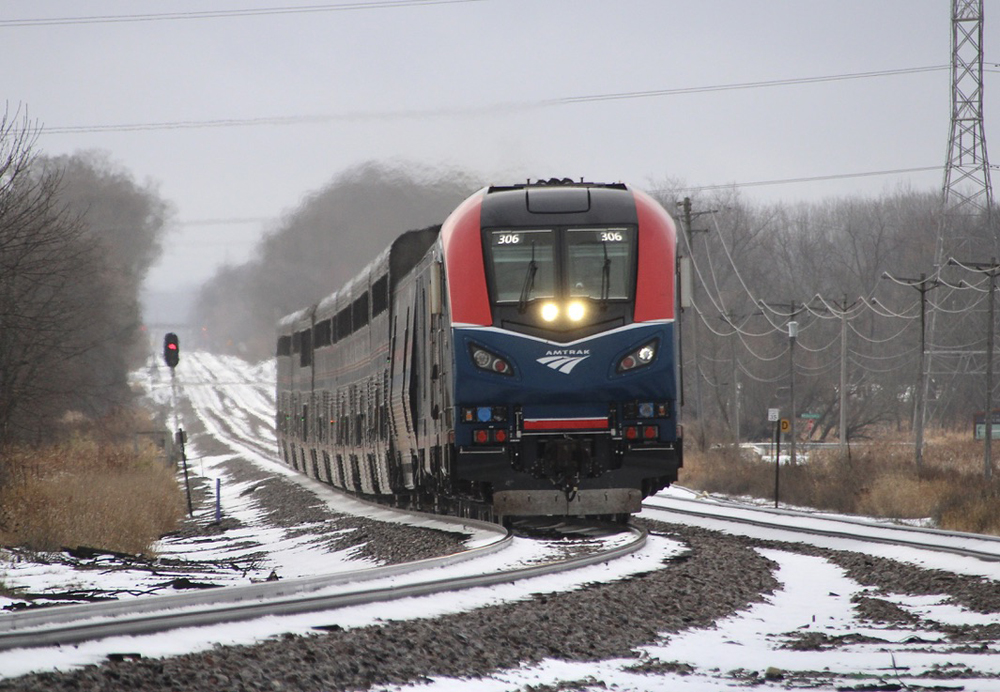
(967, 189)
(965, 227)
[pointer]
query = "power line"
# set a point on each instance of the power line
(748, 85)
(482, 110)
(222, 14)
(810, 179)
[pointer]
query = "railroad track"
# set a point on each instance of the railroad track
(721, 513)
(78, 623)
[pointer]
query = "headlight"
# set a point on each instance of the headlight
(640, 357)
(550, 311)
(486, 360)
(482, 358)
(576, 310)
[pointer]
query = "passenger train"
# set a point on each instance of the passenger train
(518, 360)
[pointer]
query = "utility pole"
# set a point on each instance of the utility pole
(730, 318)
(689, 232)
(842, 424)
(987, 459)
(920, 405)
(735, 400)
(990, 269)
(793, 332)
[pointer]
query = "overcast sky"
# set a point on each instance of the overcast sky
(486, 86)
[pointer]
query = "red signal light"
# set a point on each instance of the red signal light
(171, 350)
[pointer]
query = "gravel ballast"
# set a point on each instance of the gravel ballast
(715, 578)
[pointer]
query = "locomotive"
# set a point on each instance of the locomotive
(518, 360)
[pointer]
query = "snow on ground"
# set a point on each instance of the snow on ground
(234, 402)
(523, 552)
(859, 534)
(814, 600)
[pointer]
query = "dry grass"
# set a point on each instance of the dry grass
(99, 490)
(878, 479)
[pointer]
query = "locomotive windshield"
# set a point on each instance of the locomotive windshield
(598, 263)
(523, 264)
(593, 263)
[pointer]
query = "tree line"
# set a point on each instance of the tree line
(318, 247)
(77, 237)
(844, 271)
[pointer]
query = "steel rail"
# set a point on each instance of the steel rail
(779, 519)
(63, 614)
(271, 599)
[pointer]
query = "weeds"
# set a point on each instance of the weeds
(100, 489)
(877, 479)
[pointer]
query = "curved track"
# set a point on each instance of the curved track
(237, 410)
(986, 548)
(73, 624)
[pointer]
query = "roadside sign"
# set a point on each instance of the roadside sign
(785, 425)
(772, 415)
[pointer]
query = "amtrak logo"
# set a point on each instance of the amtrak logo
(564, 360)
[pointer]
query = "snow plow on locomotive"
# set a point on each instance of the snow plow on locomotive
(519, 359)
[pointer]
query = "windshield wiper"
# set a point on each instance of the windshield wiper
(605, 279)
(529, 283)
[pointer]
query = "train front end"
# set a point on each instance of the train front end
(561, 299)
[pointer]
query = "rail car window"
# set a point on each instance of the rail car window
(321, 334)
(360, 310)
(305, 355)
(380, 295)
(523, 264)
(284, 346)
(599, 262)
(344, 323)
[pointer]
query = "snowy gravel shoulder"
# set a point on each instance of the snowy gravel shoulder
(698, 609)
(411, 641)
(254, 518)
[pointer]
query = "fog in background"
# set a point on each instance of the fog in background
(317, 248)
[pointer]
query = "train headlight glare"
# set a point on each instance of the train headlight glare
(576, 310)
(550, 311)
(645, 354)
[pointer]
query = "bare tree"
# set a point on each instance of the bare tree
(68, 286)
(42, 259)
(320, 246)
